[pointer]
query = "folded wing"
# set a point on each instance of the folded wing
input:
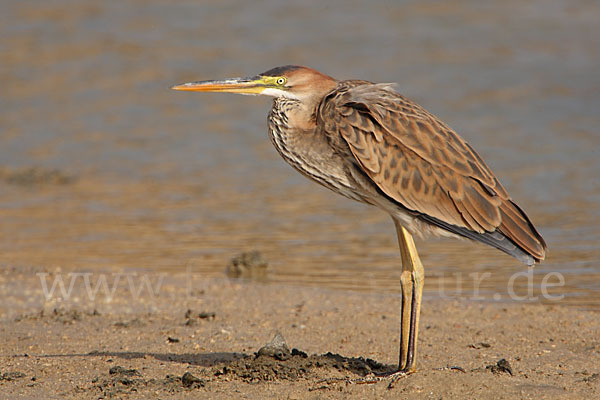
(422, 164)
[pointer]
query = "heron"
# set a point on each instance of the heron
(369, 143)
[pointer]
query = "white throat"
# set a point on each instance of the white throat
(279, 93)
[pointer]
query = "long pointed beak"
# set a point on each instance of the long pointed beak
(233, 85)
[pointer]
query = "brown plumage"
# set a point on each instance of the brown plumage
(418, 161)
(371, 144)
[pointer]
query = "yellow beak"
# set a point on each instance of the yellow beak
(233, 85)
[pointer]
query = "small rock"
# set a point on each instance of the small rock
(480, 345)
(207, 315)
(501, 366)
(593, 378)
(66, 316)
(172, 340)
(276, 348)
(247, 265)
(189, 380)
(129, 324)
(193, 319)
(11, 376)
(123, 371)
(296, 352)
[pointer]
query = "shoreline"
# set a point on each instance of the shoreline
(69, 349)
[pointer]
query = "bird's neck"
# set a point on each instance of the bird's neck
(299, 114)
(290, 121)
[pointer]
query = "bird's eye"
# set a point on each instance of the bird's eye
(280, 81)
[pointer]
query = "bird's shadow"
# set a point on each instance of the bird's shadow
(298, 363)
(206, 360)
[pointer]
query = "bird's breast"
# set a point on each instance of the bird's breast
(308, 151)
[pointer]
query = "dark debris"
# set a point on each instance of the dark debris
(501, 366)
(190, 381)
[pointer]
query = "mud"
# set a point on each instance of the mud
(299, 365)
(274, 361)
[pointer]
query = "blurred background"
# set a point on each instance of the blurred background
(102, 167)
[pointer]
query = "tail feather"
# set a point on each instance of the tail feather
(518, 227)
(494, 239)
(515, 236)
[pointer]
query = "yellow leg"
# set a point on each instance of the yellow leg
(412, 278)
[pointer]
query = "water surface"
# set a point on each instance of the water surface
(165, 181)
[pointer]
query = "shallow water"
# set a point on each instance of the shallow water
(155, 179)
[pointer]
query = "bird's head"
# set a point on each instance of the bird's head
(291, 81)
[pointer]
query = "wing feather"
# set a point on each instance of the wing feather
(421, 163)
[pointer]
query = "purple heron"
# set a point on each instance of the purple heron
(367, 142)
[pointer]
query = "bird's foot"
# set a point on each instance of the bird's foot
(391, 377)
(396, 376)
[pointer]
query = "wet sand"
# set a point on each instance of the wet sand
(208, 333)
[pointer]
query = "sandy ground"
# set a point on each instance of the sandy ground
(199, 338)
